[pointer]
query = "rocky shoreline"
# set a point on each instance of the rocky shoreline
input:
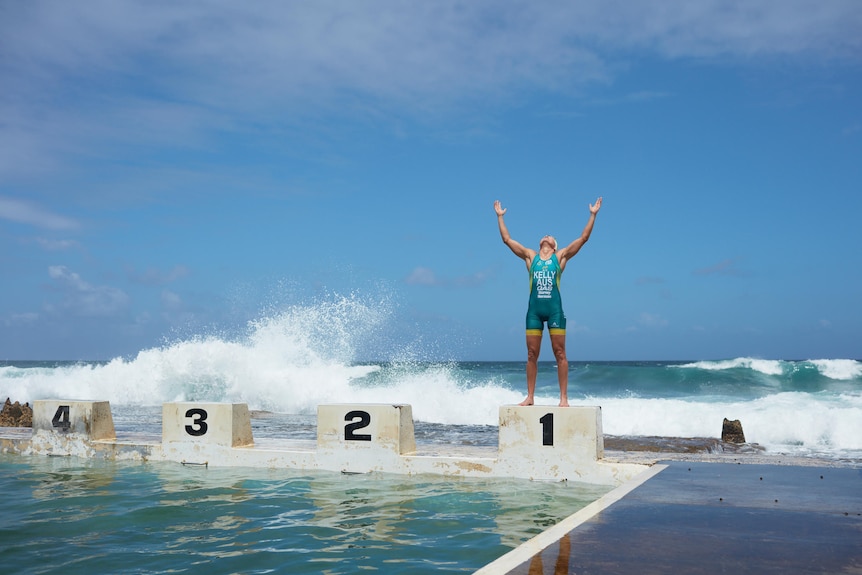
(16, 415)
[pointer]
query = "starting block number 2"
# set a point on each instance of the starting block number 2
(383, 427)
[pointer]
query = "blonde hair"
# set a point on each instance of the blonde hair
(549, 236)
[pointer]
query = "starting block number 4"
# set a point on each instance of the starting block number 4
(225, 424)
(91, 419)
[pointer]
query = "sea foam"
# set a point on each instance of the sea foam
(295, 359)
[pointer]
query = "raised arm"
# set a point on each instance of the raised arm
(525, 254)
(570, 250)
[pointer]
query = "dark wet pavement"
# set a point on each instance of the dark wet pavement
(708, 518)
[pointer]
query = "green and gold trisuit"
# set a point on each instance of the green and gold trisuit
(545, 302)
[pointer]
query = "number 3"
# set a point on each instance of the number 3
(198, 426)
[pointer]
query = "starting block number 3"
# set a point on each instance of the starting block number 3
(226, 424)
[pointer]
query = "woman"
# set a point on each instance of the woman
(545, 268)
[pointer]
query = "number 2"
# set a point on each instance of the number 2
(350, 429)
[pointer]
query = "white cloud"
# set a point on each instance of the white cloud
(397, 49)
(171, 301)
(213, 56)
(32, 214)
(422, 276)
(20, 319)
(736, 28)
(84, 299)
(57, 245)
(176, 75)
(723, 268)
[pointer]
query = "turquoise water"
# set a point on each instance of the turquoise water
(68, 515)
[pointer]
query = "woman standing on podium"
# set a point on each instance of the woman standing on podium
(545, 306)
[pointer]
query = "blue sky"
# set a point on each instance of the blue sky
(179, 169)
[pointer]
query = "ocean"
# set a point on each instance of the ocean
(68, 515)
(799, 407)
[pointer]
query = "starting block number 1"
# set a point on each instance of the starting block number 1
(535, 431)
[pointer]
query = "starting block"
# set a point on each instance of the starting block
(534, 442)
(91, 420)
(363, 438)
(217, 424)
(544, 442)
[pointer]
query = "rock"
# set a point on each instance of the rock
(16, 415)
(731, 431)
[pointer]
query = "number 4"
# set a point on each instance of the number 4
(61, 418)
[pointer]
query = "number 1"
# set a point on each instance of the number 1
(547, 422)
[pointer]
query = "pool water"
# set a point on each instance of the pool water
(69, 515)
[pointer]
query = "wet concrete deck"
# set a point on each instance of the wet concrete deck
(706, 518)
